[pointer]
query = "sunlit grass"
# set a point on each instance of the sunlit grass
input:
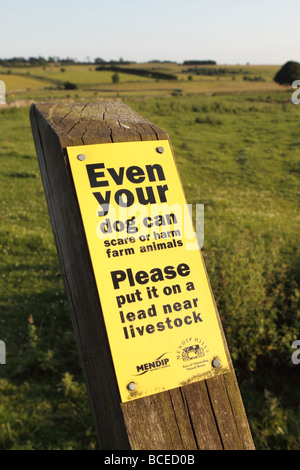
(17, 83)
(237, 154)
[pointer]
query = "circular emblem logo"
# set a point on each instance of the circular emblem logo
(192, 351)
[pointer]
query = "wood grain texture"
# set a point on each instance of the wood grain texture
(204, 415)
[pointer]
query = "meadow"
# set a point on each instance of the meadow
(47, 82)
(237, 147)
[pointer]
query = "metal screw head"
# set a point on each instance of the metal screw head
(216, 362)
(160, 149)
(81, 157)
(131, 386)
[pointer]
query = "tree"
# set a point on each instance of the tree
(288, 73)
(70, 86)
(98, 60)
(115, 77)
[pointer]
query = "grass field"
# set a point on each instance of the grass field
(48, 82)
(238, 152)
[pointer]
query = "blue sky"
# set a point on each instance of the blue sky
(230, 32)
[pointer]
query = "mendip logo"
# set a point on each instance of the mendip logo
(2, 92)
(157, 364)
(2, 353)
(192, 352)
(190, 349)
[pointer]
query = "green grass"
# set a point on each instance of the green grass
(237, 154)
(19, 83)
(81, 75)
(41, 406)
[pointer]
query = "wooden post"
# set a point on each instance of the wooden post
(205, 415)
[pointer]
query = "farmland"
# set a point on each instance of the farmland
(48, 82)
(236, 143)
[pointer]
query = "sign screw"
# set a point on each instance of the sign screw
(216, 362)
(131, 386)
(81, 157)
(160, 149)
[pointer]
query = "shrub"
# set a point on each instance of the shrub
(115, 77)
(288, 73)
(141, 72)
(209, 119)
(70, 86)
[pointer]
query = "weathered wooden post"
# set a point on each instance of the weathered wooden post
(155, 359)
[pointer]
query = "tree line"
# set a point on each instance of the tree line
(42, 61)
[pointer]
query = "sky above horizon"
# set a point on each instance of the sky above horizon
(229, 32)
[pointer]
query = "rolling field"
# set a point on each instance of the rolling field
(237, 147)
(48, 82)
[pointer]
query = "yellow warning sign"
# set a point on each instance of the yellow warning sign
(158, 309)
